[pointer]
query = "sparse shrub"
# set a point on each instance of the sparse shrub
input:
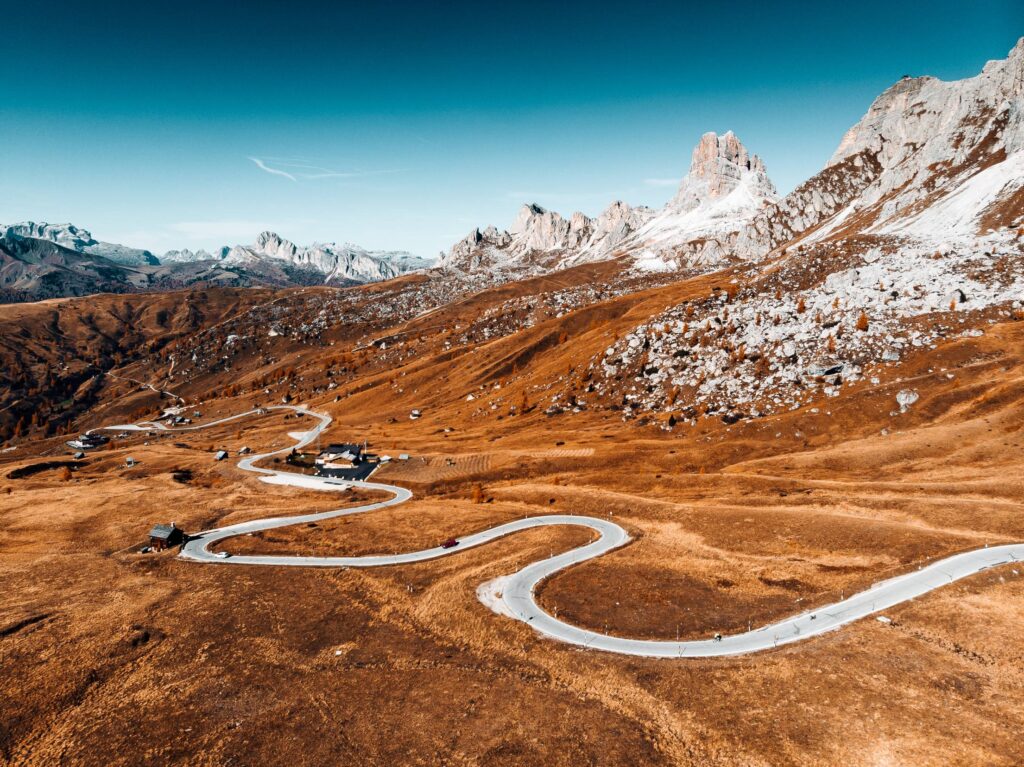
(762, 368)
(477, 495)
(65, 474)
(801, 306)
(862, 322)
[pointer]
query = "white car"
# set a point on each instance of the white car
(222, 554)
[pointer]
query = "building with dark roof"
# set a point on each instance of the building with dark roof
(164, 536)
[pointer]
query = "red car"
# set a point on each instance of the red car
(451, 543)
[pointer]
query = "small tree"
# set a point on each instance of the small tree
(477, 494)
(801, 306)
(65, 474)
(862, 322)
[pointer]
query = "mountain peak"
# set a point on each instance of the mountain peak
(720, 164)
(67, 235)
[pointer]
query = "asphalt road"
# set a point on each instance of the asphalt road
(513, 595)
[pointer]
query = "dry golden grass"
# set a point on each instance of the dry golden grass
(114, 657)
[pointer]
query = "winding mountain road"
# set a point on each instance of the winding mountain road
(514, 595)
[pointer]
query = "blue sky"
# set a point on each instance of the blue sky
(403, 126)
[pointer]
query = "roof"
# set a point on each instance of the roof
(162, 531)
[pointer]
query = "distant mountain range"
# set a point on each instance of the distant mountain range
(934, 163)
(71, 237)
(39, 261)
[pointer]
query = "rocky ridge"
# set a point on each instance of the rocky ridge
(726, 186)
(338, 264)
(81, 241)
(543, 239)
(931, 160)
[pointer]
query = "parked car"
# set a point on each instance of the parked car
(451, 543)
(222, 554)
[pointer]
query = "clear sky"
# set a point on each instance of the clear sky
(404, 125)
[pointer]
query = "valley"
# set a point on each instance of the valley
(737, 480)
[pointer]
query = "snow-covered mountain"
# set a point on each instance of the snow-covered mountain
(931, 160)
(338, 264)
(725, 188)
(71, 237)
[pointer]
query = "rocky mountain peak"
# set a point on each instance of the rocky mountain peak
(272, 244)
(67, 235)
(718, 166)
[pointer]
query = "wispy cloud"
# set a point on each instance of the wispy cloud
(274, 171)
(661, 181)
(304, 170)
